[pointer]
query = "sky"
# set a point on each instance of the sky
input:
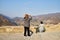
(17, 8)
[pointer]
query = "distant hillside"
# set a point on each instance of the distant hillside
(18, 20)
(4, 20)
(52, 18)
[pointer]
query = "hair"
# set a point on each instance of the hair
(26, 16)
(41, 22)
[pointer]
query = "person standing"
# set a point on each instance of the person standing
(27, 20)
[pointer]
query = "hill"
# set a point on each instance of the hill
(5, 20)
(52, 18)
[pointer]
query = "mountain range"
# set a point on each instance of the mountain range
(52, 18)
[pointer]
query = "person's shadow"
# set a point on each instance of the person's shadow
(37, 29)
(31, 32)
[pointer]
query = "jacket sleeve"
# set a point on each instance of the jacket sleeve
(30, 17)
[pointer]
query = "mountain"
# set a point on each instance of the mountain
(18, 20)
(52, 18)
(5, 20)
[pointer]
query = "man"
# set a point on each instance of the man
(27, 20)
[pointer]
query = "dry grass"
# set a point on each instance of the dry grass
(20, 29)
(52, 28)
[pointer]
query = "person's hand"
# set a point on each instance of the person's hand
(29, 15)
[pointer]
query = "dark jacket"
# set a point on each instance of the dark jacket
(27, 22)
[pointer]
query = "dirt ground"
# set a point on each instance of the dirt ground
(34, 36)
